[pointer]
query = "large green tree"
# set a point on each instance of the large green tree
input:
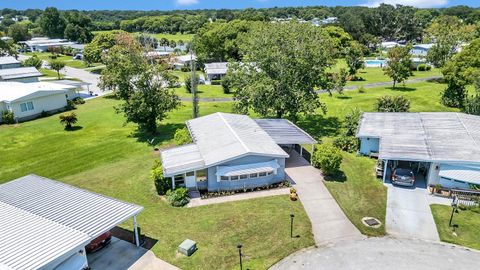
(19, 31)
(354, 58)
(78, 27)
(52, 23)
(399, 64)
(100, 44)
(139, 83)
(448, 32)
(283, 64)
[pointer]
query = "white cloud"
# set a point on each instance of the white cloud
(186, 2)
(415, 3)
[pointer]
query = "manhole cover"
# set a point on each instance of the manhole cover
(371, 222)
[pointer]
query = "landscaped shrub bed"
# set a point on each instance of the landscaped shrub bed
(207, 195)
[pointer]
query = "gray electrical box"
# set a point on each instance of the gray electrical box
(187, 247)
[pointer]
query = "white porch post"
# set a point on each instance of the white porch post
(301, 150)
(137, 241)
(385, 171)
(173, 182)
(311, 153)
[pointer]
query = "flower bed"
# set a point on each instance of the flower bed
(214, 194)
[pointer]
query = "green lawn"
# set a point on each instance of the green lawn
(468, 222)
(50, 73)
(107, 157)
(372, 75)
(204, 91)
(359, 193)
(67, 59)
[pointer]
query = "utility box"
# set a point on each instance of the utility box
(187, 247)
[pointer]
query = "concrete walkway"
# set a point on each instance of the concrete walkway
(238, 197)
(383, 253)
(329, 223)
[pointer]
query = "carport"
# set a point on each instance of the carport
(52, 222)
(287, 134)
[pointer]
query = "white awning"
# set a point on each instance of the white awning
(247, 168)
(465, 174)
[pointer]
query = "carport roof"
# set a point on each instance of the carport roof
(430, 136)
(29, 241)
(84, 211)
(283, 131)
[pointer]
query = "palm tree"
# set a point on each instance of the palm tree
(68, 120)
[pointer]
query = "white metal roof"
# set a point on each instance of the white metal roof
(283, 131)
(5, 60)
(247, 168)
(17, 73)
(79, 209)
(15, 91)
(222, 136)
(186, 58)
(437, 136)
(423, 46)
(28, 241)
(467, 174)
(216, 68)
(181, 159)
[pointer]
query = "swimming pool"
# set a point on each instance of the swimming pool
(375, 63)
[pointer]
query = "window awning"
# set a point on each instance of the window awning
(247, 168)
(466, 174)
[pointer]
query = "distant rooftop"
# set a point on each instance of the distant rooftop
(11, 91)
(17, 73)
(429, 136)
(216, 68)
(5, 60)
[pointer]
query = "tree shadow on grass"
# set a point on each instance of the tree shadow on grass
(74, 128)
(165, 132)
(319, 126)
(437, 80)
(402, 89)
(111, 96)
(339, 176)
(343, 97)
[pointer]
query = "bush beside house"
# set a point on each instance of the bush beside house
(327, 158)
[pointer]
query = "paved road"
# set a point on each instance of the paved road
(329, 223)
(383, 253)
(347, 88)
(85, 76)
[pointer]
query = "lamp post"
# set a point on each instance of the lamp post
(454, 207)
(291, 225)
(239, 246)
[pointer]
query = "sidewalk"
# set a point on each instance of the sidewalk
(329, 223)
(238, 197)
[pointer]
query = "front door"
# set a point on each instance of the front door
(190, 181)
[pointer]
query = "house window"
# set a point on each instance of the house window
(270, 173)
(234, 177)
(190, 174)
(179, 180)
(262, 174)
(253, 175)
(27, 106)
(244, 176)
(224, 178)
(202, 175)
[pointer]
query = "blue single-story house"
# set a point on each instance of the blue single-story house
(232, 151)
(444, 146)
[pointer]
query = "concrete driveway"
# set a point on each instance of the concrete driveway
(329, 223)
(122, 255)
(408, 212)
(383, 253)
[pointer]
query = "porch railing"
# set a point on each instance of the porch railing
(467, 197)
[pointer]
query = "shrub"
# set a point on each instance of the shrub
(68, 119)
(44, 114)
(185, 69)
(422, 67)
(216, 82)
(33, 61)
(351, 121)
(392, 104)
(78, 101)
(428, 68)
(327, 158)
(8, 117)
(346, 143)
(188, 82)
(454, 95)
(70, 105)
(178, 197)
(182, 136)
(226, 85)
(162, 184)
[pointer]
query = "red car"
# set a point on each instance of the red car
(99, 242)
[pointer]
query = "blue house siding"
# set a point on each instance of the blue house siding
(214, 185)
(368, 145)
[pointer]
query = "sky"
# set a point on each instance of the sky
(215, 4)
